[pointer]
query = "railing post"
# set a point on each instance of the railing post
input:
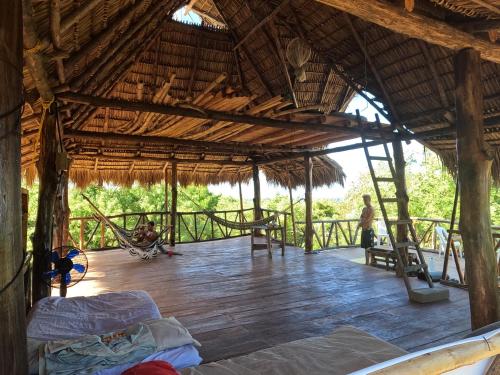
(308, 198)
(103, 229)
(173, 211)
(83, 222)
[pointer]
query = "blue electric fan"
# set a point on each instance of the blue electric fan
(68, 266)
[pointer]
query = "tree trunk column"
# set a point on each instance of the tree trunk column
(47, 191)
(61, 213)
(13, 358)
(173, 212)
(167, 218)
(308, 198)
(242, 218)
(474, 168)
(257, 214)
(292, 212)
(402, 195)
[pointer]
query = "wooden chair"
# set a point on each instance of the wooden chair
(267, 242)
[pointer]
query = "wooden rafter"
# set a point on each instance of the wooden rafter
(415, 25)
(372, 66)
(261, 23)
(299, 29)
(435, 75)
(281, 54)
(251, 61)
(485, 4)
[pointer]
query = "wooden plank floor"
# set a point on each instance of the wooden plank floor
(235, 304)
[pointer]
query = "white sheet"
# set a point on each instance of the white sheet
(54, 318)
(180, 357)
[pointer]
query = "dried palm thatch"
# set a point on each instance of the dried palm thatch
(86, 171)
(236, 62)
(470, 8)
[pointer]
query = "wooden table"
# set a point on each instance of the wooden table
(267, 242)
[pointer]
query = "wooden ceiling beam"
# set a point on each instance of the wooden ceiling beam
(414, 25)
(133, 159)
(237, 148)
(207, 114)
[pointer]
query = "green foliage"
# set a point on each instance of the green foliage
(430, 188)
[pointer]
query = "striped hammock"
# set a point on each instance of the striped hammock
(125, 237)
(236, 224)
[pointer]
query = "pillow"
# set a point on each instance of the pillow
(152, 368)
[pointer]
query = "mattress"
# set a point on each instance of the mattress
(57, 318)
(345, 350)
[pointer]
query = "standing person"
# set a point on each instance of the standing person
(365, 222)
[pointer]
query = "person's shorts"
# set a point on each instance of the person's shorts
(367, 238)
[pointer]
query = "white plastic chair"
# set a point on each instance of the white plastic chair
(381, 232)
(443, 239)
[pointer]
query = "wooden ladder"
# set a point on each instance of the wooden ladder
(422, 295)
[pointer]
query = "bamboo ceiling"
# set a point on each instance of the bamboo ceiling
(133, 51)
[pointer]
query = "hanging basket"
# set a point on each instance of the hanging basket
(298, 54)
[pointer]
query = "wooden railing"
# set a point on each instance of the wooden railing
(332, 234)
(89, 233)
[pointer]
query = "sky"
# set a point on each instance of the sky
(353, 162)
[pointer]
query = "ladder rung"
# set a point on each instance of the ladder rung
(400, 245)
(384, 179)
(390, 200)
(382, 158)
(399, 222)
(413, 268)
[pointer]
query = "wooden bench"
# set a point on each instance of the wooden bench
(267, 242)
(387, 255)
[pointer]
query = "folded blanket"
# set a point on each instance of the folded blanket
(91, 353)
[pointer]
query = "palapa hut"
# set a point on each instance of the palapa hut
(128, 94)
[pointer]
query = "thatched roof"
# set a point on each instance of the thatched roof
(133, 51)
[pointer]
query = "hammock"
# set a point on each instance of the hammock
(125, 237)
(236, 224)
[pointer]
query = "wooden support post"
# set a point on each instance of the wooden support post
(61, 213)
(474, 168)
(13, 357)
(401, 194)
(47, 174)
(173, 212)
(257, 210)
(242, 219)
(292, 212)
(308, 198)
(167, 205)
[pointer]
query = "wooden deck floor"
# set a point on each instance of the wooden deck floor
(235, 304)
